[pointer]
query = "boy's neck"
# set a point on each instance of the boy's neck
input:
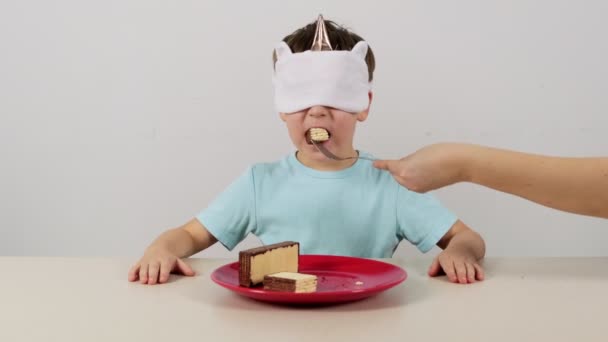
(327, 164)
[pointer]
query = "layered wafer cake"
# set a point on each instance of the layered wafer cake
(318, 134)
(291, 282)
(255, 263)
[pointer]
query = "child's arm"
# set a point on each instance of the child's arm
(462, 250)
(164, 254)
(577, 185)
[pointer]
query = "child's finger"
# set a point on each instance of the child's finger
(134, 272)
(435, 268)
(184, 268)
(165, 269)
(143, 273)
(480, 274)
(470, 272)
(461, 272)
(153, 272)
(449, 269)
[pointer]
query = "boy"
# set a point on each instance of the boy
(343, 207)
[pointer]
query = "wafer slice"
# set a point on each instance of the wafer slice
(319, 134)
(255, 263)
(291, 282)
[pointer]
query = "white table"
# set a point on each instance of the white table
(80, 299)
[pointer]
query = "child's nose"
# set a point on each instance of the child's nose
(317, 111)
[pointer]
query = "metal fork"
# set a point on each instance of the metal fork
(330, 155)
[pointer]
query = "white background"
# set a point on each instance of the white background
(120, 119)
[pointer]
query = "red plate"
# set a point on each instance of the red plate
(339, 279)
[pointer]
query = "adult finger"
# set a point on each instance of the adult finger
(381, 164)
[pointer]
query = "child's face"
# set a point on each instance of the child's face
(339, 124)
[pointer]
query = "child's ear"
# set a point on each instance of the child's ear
(362, 116)
(282, 50)
(360, 49)
(283, 116)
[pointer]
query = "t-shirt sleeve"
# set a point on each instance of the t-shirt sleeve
(231, 216)
(422, 220)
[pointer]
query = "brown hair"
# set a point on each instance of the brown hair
(341, 39)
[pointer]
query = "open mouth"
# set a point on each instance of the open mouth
(317, 134)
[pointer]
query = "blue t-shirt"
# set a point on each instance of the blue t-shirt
(359, 211)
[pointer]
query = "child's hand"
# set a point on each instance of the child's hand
(155, 266)
(459, 266)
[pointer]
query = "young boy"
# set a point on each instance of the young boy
(341, 207)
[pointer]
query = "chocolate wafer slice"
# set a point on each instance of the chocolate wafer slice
(255, 263)
(291, 282)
